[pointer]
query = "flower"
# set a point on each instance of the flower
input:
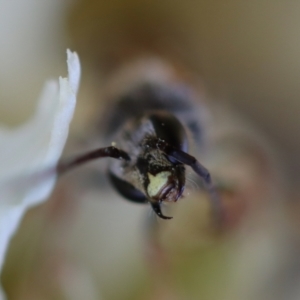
(32, 146)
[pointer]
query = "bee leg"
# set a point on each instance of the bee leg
(157, 210)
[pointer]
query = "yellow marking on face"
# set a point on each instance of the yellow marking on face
(157, 182)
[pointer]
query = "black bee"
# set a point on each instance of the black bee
(149, 129)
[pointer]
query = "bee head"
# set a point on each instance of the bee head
(163, 179)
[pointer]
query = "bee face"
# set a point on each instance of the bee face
(163, 180)
(151, 175)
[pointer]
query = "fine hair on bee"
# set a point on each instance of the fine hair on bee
(150, 125)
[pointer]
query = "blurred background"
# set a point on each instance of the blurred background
(245, 58)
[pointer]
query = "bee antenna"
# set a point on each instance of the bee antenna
(110, 151)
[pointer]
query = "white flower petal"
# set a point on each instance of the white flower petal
(73, 70)
(36, 144)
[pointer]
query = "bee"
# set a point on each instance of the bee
(150, 129)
